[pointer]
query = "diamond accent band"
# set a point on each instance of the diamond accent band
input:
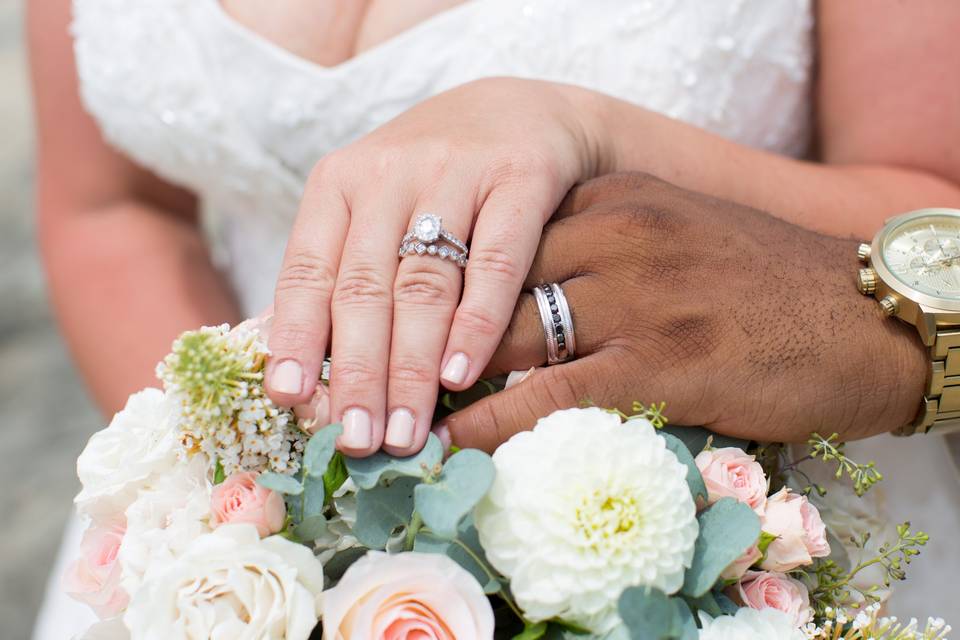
(425, 238)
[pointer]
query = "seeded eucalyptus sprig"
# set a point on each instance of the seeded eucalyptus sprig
(834, 587)
(864, 476)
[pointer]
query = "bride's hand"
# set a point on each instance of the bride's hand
(737, 320)
(493, 158)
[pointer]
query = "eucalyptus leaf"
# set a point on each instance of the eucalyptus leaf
(313, 496)
(532, 631)
(696, 438)
(465, 479)
(280, 483)
(335, 567)
(727, 529)
(383, 509)
(320, 449)
(688, 624)
(727, 606)
(650, 614)
(694, 480)
(467, 536)
(311, 528)
(382, 467)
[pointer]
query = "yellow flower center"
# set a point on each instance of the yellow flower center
(605, 519)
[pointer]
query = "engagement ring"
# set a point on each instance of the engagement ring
(427, 238)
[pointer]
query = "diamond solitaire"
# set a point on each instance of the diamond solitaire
(427, 228)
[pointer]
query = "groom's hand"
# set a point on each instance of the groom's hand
(739, 321)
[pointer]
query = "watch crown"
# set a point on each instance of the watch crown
(867, 281)
(889, 305)
(863, 252)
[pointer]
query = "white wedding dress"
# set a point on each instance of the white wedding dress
(212, 106)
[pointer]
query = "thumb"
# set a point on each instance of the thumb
(492, 420)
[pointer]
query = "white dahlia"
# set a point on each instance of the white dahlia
(751, 624)
(582, 507)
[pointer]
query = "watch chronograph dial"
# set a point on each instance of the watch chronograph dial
(924, 254)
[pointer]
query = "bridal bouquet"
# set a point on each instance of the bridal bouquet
(214, 513)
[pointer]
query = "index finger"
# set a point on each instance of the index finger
(301, 321)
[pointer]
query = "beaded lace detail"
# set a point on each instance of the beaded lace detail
(210, 105)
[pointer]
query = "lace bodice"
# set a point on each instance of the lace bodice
(210, 105)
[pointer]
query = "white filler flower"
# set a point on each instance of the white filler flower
(230, 584)
(582, 507)
(751, 624)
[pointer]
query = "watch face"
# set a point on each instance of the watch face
(924, 254)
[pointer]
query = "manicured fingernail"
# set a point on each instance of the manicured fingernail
(456, 370)
(443, 434)
(287, 377)
(357, 429)
(400, 429)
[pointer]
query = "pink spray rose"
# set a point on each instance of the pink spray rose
(739, 566)
(732, 473)
(406, 595)
(240, 500)
(94, 578)
(770, 590)
(801, 534)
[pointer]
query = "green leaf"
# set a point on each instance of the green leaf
(694, 480)
(696, 438)
(335, 567)
(767, 538)
(688, 624)
(532, 631)
(474, 561)
(382, 510)
(313, 496)
(320, 449)
(727, 529)
(381, 467)
(280, 483)
(219, 475)
(311, 528)
(650, 614)
(335, 475)
(465, 479)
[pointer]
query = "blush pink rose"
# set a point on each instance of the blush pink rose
(406, 595)
(801, 534)
(732, 473)
(94, 578)
(739, 566)
(240, 500)
(771, 590)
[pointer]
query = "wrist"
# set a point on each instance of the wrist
(597, 146)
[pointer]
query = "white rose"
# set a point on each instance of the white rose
(583, 507)
(164, 519)
(230, 584)
(751, 624)
(117, 461)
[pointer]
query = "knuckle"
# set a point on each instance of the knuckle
(361, 285)
(424, 286)
(306, 269)
(414, 371)
(294, 335)
(496, 261)
(479, 322)
(350, 372)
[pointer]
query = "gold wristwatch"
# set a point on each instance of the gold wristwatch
(913, 269)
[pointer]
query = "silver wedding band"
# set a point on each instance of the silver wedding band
(429, 238)
(557, 323)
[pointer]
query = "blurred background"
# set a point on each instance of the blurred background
(41, 439)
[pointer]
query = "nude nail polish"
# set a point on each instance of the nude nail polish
(287, 377)
(456, 370)
(400, 429)
(357, 429)
(442, 432)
